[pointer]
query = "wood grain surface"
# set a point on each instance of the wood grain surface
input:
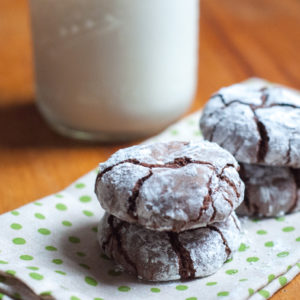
(238, 39)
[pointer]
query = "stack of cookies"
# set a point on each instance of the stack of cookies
(170, 209)
(260, 126)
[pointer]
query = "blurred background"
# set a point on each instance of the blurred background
(238, 39)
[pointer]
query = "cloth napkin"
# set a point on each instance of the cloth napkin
(48, 250)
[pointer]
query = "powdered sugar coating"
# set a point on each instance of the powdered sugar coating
(256, 124)
(150, 255)
(162, 153)
(270, 191)
(171, 186)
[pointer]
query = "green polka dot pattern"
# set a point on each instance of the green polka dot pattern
(39, 216)
(44, 231)
(271, 277)
(67, 223)
(85, 199)
(283, 254)
(19, 241)
(243, 247)
(88, 213)
(51, 243)
(288, 229)
(79, 185)
(74, 239)
(282, 280)
(252, 259)
(223, 294)
(36, 276)
(211, 283)
(231, 272)
(61, 206)
(124, 288)
(32, 268)
(181, 287)
(15, 226)
(90, 281)
(264, 293)
(26, 257)
(269, 244)
(261, 232)
(57, 261)
(60, 272)
(51, 248)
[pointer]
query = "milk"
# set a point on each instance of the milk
(114, 69)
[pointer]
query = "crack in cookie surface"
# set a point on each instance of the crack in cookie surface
(227, 248)
(296, 177)
(263, 143)
(177, 163)
(135, 193)
(116, 235)
(267, 101)
(186, 265)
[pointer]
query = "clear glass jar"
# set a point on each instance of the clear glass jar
(114, 69)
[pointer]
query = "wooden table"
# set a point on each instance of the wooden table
(238, 39)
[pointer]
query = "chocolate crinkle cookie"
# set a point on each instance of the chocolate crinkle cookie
(162, 256)
(270, 191)
(171, 186)
(258, 125)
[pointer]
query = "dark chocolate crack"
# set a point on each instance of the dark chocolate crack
(296, 177)
(231, 184)
(186, 265)
(206, 202)
(229, 202)
(214, 128)
(244, 176)
(288, 153)
(110, 223)
(100, 175)
(214, 212)
(235, 222)
(216, 229)
(205, 205)
(255, 209)
(116, 235)
(176, 163)
(263, 144)
(135, 193)
(179, 162)
(284, 105)
(247, 201)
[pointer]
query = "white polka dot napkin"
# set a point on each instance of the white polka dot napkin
(48, 250)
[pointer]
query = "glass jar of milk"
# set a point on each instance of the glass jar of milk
(114, 69)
